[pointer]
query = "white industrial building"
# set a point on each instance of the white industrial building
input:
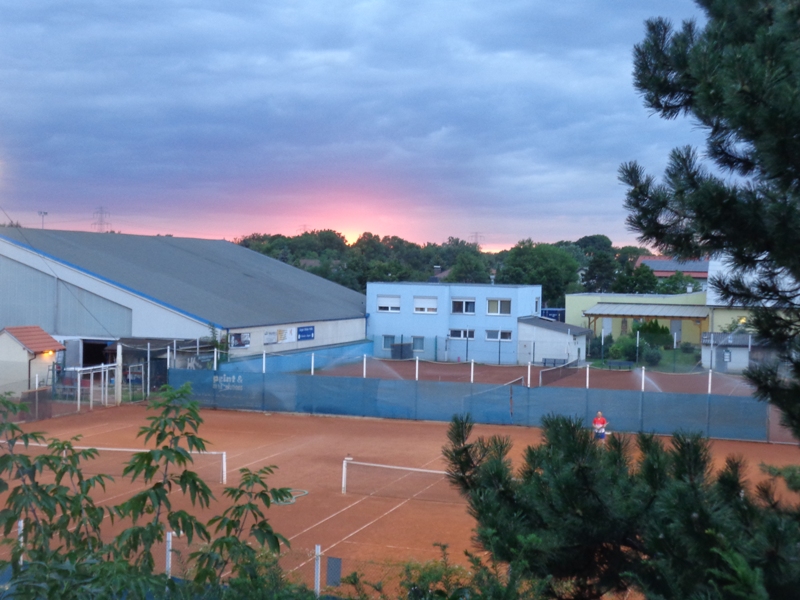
(90, 289)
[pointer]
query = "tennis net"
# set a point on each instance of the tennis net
(549, 376)
(371, 479)
(212, 466)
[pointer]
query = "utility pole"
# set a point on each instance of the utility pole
(43, 214)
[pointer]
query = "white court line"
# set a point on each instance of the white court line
(363, 527)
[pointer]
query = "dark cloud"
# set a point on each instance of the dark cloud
(493, 113)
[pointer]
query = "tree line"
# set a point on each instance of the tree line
(589, 264)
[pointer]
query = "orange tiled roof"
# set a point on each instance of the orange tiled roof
(34, 338)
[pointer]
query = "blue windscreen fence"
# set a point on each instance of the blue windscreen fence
(724, 417)
(300, 360)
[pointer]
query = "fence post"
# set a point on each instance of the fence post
(264, 363)
(708, 406)
(317, 561)
(118, 377)
(365, 367)
(312, 363)
(21, 538)
(416, 368)
(148, 370)
(472, 371)
(529, 374)
(168, 566)
(587, 376)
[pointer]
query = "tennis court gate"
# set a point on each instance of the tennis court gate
(717, 416)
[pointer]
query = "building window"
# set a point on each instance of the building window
(418, 343)
(499, 307)
(425, 305)
(462, 334)
(388, 303)
(495, 335)
(388, 341)
(463, 307)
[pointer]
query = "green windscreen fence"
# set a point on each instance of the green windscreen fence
(725, 417)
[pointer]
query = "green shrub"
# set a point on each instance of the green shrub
(654, 334)
(624, 349)
(652, 356)
(687, 348)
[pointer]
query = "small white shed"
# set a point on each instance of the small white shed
(541, 338)
(25, 352)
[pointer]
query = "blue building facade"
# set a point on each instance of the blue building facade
(449, 322)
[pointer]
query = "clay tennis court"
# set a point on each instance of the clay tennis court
(655, 381)
(366, 529)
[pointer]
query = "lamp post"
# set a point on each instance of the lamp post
(42, 213)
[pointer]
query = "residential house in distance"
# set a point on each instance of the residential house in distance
(450, 322)
(666, 266)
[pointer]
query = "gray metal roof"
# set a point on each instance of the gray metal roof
(684, 266)
(554, 325)
(213, 280)
(667, 311)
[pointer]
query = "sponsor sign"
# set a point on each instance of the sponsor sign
(305, 333)
(280, 336)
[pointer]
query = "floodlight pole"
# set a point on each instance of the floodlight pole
(43, 214)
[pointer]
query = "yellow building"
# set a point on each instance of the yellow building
(687, 315)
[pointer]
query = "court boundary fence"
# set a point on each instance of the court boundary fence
(716, 416)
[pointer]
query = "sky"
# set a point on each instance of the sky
(487, 121)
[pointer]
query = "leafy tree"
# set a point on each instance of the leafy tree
(738, 78)
(470, 267)
(585, 520)
(540, 264)
(594, 244)
(62, 552)
(640, 280)
(678, 284)
(601, 273)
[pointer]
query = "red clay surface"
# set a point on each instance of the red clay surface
(365, 530)
(687, 383)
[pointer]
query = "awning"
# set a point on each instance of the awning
(647, 311)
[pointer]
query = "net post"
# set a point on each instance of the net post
(264, 363)
(587, 376)
(364, 369)
(224, 467)
(472, 371)
(344, 473)
(416, 368)
(312, 363)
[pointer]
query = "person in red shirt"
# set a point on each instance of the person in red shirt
(599, 425)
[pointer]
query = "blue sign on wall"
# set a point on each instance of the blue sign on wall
(305, 333)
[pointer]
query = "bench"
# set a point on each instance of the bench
(620, 364)
(553, 362)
